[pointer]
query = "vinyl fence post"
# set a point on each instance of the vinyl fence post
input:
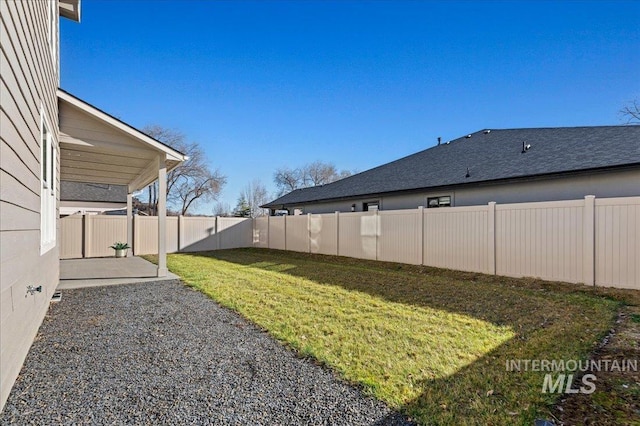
(86, 235)
(491, 236)
(180, 232)
(217, 234)
(130, 223)
(285, 231)
(589, 240)
(421, 230)
(269, 231)
(136, 235)
(377, 218)
(337, 213)
(309, 232)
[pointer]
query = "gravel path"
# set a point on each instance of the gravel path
(161, 353)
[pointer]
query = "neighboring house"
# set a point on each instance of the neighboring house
(91, 198)
(505, 166)
(48, 135)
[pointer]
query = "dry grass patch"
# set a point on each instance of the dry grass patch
(429, 342)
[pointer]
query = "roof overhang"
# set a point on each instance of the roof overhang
(96, 147)
(69, 9)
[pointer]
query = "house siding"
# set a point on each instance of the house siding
(602, 185)
(28, 84)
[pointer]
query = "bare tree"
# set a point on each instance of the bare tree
(319, 173)
(287, 179)
(312, 174)
(221, 209)
(631, 112)
(191, 182)
(255, 195)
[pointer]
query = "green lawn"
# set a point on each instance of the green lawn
(431, 343)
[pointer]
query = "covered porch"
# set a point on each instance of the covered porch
(96, 147)
(101, 271)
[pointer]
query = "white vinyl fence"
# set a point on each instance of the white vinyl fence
(591, 241)
(92, 235)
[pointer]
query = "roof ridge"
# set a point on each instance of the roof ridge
(557, 127)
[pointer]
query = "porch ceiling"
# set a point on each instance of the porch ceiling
(96, 147)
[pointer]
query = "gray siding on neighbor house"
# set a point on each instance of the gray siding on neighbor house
(29, 80)
(602, 185)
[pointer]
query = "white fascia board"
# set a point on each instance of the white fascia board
(69, 9)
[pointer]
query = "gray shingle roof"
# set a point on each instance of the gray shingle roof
(489, 156)
(77, 191)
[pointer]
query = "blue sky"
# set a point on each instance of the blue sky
(267, 84)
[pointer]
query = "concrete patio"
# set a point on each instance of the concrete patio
(95, 272)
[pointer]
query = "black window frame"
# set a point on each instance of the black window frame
(366, 205)
(439, 201)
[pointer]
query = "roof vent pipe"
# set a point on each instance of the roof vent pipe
(468, 174)
(525, 147)
(439, 140)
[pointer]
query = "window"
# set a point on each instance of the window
(444, 201)
(372, 205)
(48, 187)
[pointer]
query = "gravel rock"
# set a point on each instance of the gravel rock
(162, 353)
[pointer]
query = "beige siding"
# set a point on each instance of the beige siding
(323, 234)
(298, 233)
(542, 240)
(400, 238)
(71, 237)
(28, 82)
(618, 242)
(358, 235)
(277, 234)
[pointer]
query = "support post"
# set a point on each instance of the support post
(491, 236)
(162, 216)
(130, 223)
(589, 240)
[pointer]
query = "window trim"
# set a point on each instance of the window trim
(48, 190)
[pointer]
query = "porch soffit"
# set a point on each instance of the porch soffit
(96, 147)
